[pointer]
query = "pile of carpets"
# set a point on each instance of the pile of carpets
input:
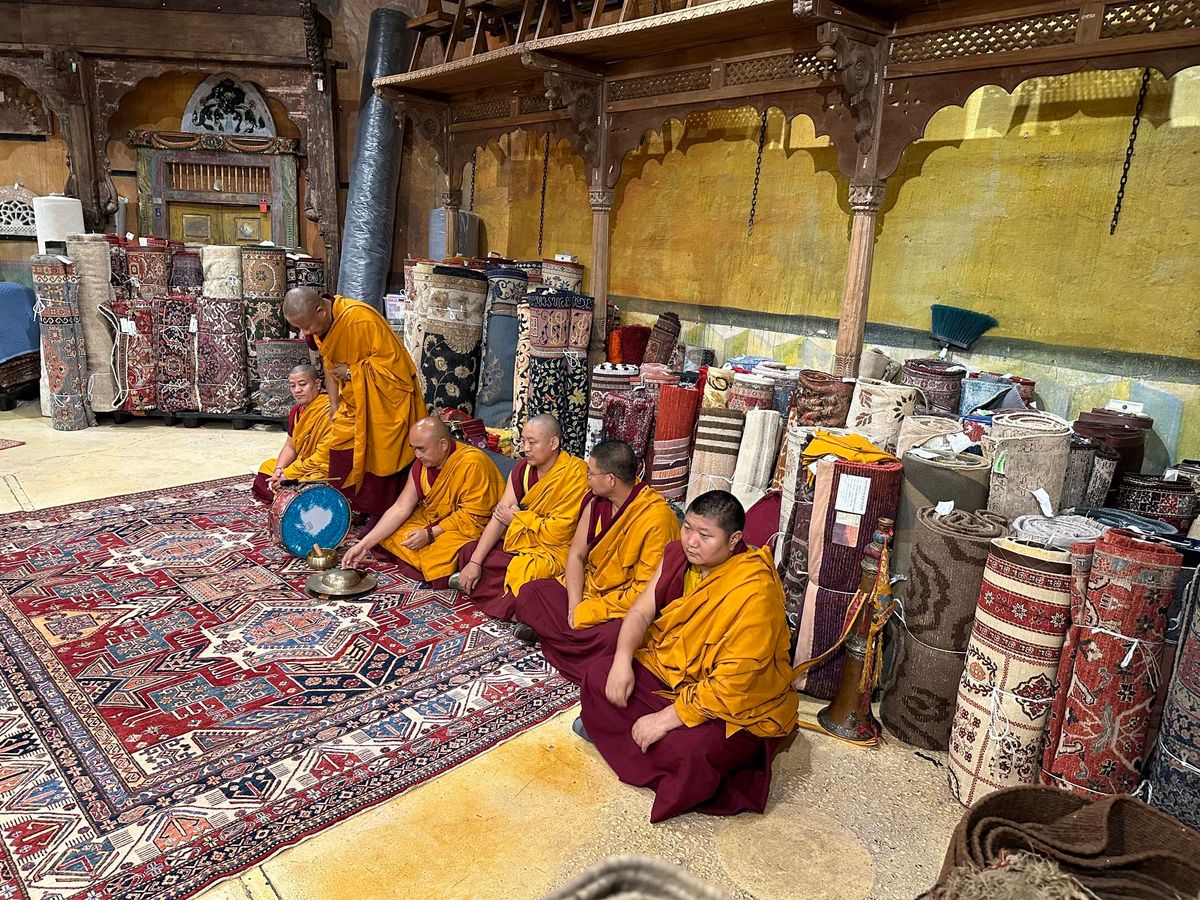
(20, 358)
(64, 356)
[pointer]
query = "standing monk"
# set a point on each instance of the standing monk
(449, 495)
(305, 453)
(618, 545)
(373, 393)
(716, 645)
(530, 530)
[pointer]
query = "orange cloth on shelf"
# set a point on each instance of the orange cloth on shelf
(853, 447)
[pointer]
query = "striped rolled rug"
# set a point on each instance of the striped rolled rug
(930, 639)
(756, 457)
(718, 437)
(1028, 450)
(848, 501)
(670, 453)
(1121, 593)
(1080, 459)
(1009, 676)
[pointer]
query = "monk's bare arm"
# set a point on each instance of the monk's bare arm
(395, 517)
(632, 635)
(577, 558)
(492, 534)
(287, 455)
(333, 389)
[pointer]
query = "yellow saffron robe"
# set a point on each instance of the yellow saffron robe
(310, 438)
(460, 500)
(539, 536)
(622, 562)
(723, 649)
(381, 401)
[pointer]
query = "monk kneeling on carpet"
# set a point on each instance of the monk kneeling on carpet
(305, 453)
(531, 527)
(373, 391)
(446, 502)
(618, 545)
(714, 641)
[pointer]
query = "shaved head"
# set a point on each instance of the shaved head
(433, 426)
(308, 311)
(306, 370)
(541, 439)
(548, 424)
(300, 301)
(431, 441)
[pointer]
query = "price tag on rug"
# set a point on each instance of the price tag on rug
(946, 506)
(1171, 475)
(845, 528)
(853, 491)
(958, 442)
(998, 465)
(1043, 500)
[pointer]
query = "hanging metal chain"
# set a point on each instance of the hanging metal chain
(471, 201)
(542, 214)
(762, 143)
(1137, 120)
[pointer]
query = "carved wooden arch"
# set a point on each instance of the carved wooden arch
(464, 144)
(911, 103)
(114, 78)
(40, 76)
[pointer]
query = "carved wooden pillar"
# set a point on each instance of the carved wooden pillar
(74, 74)
(865, 199)
(601, 201)
(321, 203)
(452, 203)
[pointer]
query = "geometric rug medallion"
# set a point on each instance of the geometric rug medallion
(174, 708)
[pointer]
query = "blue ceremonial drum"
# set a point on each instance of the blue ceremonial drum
(306, 514)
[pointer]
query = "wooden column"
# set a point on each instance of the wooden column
(452, 203)
(322, 201)
(98, 199)
(601, 201)
(865, 199)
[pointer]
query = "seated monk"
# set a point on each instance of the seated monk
(446, 502)
(532, 525)
(714, 641)
(618, 545)
(373, 391)
(305, 453)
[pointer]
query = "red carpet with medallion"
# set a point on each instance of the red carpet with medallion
(174, 708)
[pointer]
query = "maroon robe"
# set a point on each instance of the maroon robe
(261, 489)
(374, 495)
(690, 768)
(489, 594)
(542, 604)
(406, 568)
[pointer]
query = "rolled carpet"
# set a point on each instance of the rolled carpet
(751, 392)
(939, 380)
(453, 336)
(1104, 468)
(1116, 847)
(671, 450)
(1057, 532)
(1120, 595)
(629, 417)
(1080, 459)
(664, 338)
(175, 352)
(187, 273)
(929, 432)
(929, 479)
(878, 408)
(276, 359)
(222, 269)
(607, 378)
(264, 284)
(717, 385)
(64, 357)
(494, 402)
(946, 572)
(756, 456)
(848, 501)
(220, 355)
(1174, 773)
(791, 451)
(562, 275)
(877, 365)
(627, 344)
(821, 400)
(718, 437)
(93, 260)
(1008, 680)
(1028, 450)
(980, 389)
(1173, 502)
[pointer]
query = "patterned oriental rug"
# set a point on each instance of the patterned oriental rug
(8, 444)
(174, 709)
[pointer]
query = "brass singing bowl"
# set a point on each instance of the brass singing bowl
(342, 579)
(322, 559)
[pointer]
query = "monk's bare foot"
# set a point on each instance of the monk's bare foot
(524, 633)
(577, 727)
(453, 582)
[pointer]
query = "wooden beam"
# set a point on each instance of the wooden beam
(551, 62)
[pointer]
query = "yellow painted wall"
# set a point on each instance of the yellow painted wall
(40, 166)
(1003, 207)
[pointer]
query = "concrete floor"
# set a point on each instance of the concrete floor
(843, 823)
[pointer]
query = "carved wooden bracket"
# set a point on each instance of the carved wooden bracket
(430, 121)
(867, 196)
(452, 199)
(581, 98)
(601, 200)
(858, 58)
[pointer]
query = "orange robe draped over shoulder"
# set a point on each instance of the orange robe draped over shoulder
(539, 536)
(310, 438)
(621, 562)
(459, 499)
(722, 648)
(382, 399)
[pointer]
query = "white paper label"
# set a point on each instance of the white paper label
(1043, 500)
(922, 453)
(1171, 475)
(958, 441)
(946, 506)
(127, 327)
(192, 327)
(852, 494)
(812, 468)
(849, 380)
(1125, 406)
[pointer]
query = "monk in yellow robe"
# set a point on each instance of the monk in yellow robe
(531, 527)
(698, 711)
(446, 502)
(624, 528)
(305, 453)
(373, 393)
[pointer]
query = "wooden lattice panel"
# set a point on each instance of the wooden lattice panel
(1143, 18)
(1028, 33)
(781, 67)
(225, 179)
(533, 104)
(658, 85)
(487, 109)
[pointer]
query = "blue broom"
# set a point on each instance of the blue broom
(959, 328)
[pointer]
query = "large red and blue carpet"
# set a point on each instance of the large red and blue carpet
(174, 708)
